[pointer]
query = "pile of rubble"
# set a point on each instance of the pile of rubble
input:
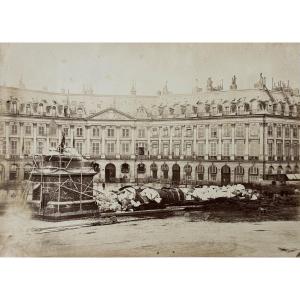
(213, 192)
(131, 198)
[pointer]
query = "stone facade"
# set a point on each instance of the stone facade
(213, 135)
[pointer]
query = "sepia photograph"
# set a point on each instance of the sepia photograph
(149, 149)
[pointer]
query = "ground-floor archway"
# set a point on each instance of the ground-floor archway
(110, 173)
(225, 175)
(176, 173)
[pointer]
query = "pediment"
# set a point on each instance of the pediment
(111, 114)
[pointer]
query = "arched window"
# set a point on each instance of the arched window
(270, 170)
(28, 109)
(53, 111)
(141, 168)
(212, 173)
(288, 169)
(296, 169)
(165, 170)
(188, 170)
(279, 170)
(41, 108)
(200, 172)
(125, 168)
(27, 171)
(14, 107)
(253, 174)
(153, 168)
(13, 172)
(239, 174)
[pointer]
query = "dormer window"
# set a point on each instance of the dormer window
(53, 111)
(14, 107)
(41, 108)
(80, 112)
(28, 109)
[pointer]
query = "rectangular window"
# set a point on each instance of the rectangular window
(177, 132)
(110, 148)
(177, 150)
(125, 148)
(13, 147)
(188, 149)
(2, 147)
(110, 132)
(270, 149)
(154, 132)
(295, 132)
(296, 150)
(239, 131)
(189, 132)
(41, 130)
(40, 147)
(201, 132)
(201, 149)
(227, 130)
(278, 131)
(79, 146)
(226, 149)
(53, 144)
(270, 130)
(96, 132)
(154, 149)
(240, 148)
(14, 129)
(27, 147)
(141, 133)
(213, 149)
(28, 130)
(213, 131)
(287, 150)
(254, 148)
(66, 131)
(125, 132)
(279, 149)
(96, 148)
(79, 132)
(287, 131)
(166, 149)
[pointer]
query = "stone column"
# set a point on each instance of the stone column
(261, 141)
(133, 143)
(247, 142)
(232, 142)
(159, 142)
(275, 142)
(148, 140)
(118, 142)
(7, 151)
(47, 137)
(182, 152)
(88, 141)
(206, 142)
(171, 143)
(21, 140)
(283, 143)
(219, 156)
(34, 138)
(102, 141)
(194, 141)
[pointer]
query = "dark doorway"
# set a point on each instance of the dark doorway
(225, 175)
(176, 173)
(110, 173)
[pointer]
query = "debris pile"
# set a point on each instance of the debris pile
(131, 198)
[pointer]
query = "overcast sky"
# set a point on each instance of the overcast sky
(111, 68)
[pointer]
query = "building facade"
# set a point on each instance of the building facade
(212, 135)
